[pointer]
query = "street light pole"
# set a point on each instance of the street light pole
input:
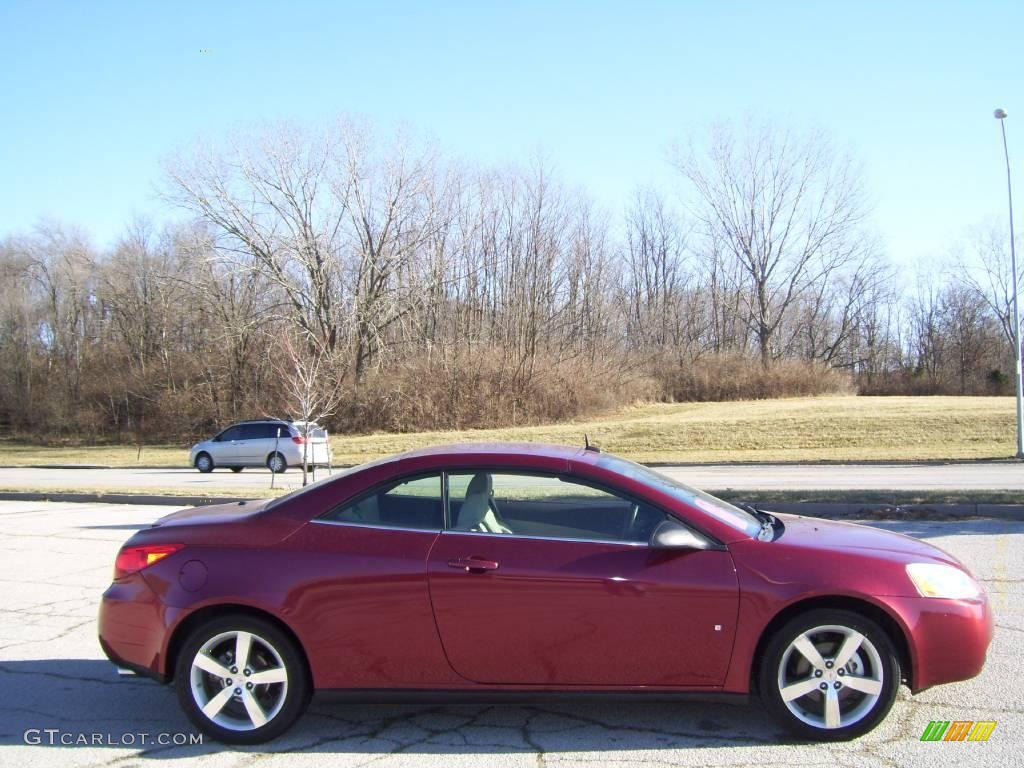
(1000, 115)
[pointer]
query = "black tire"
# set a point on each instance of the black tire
(282, 466)
(858, 705)
(204, 462)
(236, 469)
(295, 695)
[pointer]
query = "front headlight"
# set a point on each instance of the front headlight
(945, 581)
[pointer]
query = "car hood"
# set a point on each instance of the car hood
(213, 513)
(819, 534)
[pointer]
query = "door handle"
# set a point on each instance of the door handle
(473, 564)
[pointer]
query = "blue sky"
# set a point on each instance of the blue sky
(96, 94)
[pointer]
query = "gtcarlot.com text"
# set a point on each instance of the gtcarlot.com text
(55, 737)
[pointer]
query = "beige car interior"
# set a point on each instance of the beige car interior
(478, 511)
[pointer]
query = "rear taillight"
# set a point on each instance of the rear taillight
(132, 559)
(298, 440)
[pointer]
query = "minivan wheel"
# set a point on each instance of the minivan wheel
(204, 462)
(236, 469)
(276, 463)
(241, 680)
(829, 675)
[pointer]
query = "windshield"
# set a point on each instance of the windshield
(720, 510)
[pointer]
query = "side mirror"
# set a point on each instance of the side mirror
(672, 535)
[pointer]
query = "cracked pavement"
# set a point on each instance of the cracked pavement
(56, 559)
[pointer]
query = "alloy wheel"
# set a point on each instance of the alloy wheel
(239, 680)
(830, 676)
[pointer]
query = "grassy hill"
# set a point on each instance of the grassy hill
(844, 428)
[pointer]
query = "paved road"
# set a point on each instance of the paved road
(933, 477)
(56, 560)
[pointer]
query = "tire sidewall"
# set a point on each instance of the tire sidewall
(209, 458)
(270, 463)
(299, 687)
(780, 641)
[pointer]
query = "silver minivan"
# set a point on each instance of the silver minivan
(273, 443)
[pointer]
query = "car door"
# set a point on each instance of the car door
(364, 612)
(225, 446)
(252, 448)
(544, 580)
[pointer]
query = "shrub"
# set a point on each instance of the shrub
(740, 377)
(481, 388)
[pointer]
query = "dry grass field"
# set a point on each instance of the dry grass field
(810, 429)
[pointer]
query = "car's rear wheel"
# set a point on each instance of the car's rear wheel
(204, 462)
(241, 680)
(829, 675)
(276, 463)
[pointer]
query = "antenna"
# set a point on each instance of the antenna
(587, 446)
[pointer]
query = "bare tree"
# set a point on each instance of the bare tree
(653, 255)
(319, 260)
(391, 214)
(983, 263)
(268, 200)
(788, 208)
(311, 386)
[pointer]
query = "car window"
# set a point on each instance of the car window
(413, 503)
(712, 505)
(546, 507)
(231, 433)
(251, 432)
(270, 431)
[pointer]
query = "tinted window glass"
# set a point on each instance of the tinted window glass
(533, 505)
(721, 510)
(231, 433)
(270, 431)
(406, 504)
(252, 432)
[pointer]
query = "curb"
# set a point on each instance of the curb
(118, 498)
(680, 464)
(827, 510)
(837, 462)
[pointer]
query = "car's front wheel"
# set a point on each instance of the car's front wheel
(241, 680)
(829, 675)
(204, 462)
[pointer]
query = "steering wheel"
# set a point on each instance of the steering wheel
(627, 529)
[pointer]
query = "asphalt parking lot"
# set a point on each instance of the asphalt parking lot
(56, 560)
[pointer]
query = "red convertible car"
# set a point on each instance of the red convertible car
(512, 570)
